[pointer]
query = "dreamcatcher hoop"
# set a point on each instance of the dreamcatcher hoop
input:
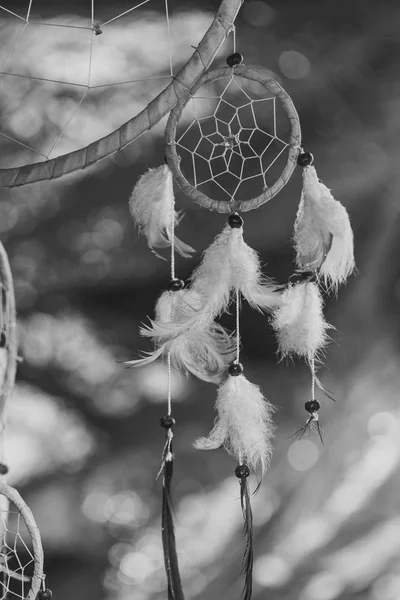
(8, 341)
(160, 106)
(37, 578)
(294, 143)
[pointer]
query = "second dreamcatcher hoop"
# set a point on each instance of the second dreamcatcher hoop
(251, 139)
(21, 552)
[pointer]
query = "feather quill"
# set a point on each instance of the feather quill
(322, 233)
(152, 206)
(299, 323)
(175, 591)
(243, 425)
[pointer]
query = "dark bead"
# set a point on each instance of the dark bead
(234, 59)
(45, 595)
(3, 340)
(175, 285)
(312, 406)
(242, 471)
(235, 221)
(167, 422)
(96, 29)
(305, 159)
(301, 277)
(235, 369)
(3, 469)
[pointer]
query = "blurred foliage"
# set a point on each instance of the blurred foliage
(83, 441)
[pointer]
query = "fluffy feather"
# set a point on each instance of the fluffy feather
(243, 425)
(204, 354)
(299, 323)
(152, 206)
(322, 233)
(211, 279)
(246, 276)
(176, 312)
(229, 264)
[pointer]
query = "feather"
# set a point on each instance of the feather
(243, 425)
(228, 265)
(299, 323)
(152, 206)
(211, 279)
(259, 291)
(205, 354)
(322, 233)
(175, 591)
(175, 313)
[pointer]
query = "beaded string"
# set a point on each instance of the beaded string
(242, 471)
(168, 421)
(4, 321)
(312, 367)
(237, 326)
(169, 397)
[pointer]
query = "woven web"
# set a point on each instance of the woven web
(16, 558)
(239, 147)
(55, 73)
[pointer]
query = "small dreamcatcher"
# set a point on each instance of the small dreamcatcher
(232, 143)
(21, 552)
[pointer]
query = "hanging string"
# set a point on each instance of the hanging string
(175, 591)
(234, 38)
(312, 366)
(237, 326)
(242, 470)
(169, 398)
(169, 38)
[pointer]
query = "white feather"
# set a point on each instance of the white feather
(228, 265)
(176, 312)
(246, 276)
(243, 425)
(204, 354)
(211, 279)
(299, 323)
(322, 233)
(152, 206)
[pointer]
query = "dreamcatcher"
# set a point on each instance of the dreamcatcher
(249, 140)
(21, 553)
(232, 158)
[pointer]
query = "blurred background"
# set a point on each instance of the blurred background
(83, 441)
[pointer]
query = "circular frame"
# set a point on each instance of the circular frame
(37, 578)
(9, 319)
(173, 159)
(199, 62)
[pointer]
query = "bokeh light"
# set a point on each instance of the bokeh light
(258, 14)
(294, 65)
(271, 571)
(303, 454)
